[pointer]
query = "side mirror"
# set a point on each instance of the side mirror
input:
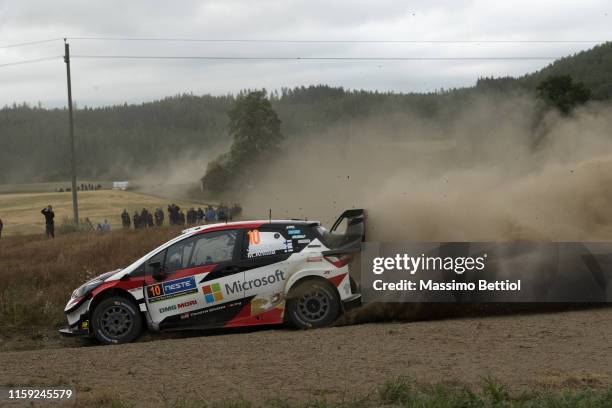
(158, 272)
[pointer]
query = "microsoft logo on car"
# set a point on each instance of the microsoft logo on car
(212, 293)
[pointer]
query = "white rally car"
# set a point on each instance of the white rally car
(226, 275)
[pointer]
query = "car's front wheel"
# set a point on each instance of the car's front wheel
(313, 303)
(116, 320)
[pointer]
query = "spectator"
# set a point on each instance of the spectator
(1, 226)
(104, 227)
(210, 214)
(191, 216)
(125, 219)
(159, 217)
(49, 222)
(221, 212)
(144, 218)
(136, 219)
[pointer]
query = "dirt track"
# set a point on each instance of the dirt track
(558, 349)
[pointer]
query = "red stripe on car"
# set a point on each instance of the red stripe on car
(272, 316)
(335, 280)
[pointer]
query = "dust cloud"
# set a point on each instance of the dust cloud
(177, 178)
(495, 169)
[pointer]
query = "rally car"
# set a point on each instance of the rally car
(233, 274)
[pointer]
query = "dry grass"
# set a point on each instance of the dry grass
(21, 212)
(37, 275)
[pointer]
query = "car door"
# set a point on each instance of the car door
(185, 279)
(266, 263)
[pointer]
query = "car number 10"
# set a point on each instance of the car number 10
(254, 238)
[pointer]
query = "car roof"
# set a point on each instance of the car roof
(245, 224)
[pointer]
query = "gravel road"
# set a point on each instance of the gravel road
(556, 349)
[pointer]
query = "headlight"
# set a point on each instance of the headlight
(86, 288)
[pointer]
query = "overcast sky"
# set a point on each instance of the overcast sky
(109, 81)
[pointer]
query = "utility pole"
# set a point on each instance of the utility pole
(75, 205)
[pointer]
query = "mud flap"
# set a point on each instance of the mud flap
(352, 302)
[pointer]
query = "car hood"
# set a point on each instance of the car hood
(106, 275)
(74, 302)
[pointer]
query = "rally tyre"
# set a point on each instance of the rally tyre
(313, 303)
(116, 320)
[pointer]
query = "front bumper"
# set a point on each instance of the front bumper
(77, 330)
(78, 321)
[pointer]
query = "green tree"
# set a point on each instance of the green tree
(254, 127)
(563, 93)
(255, 130)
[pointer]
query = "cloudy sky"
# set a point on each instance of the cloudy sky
(307, 29)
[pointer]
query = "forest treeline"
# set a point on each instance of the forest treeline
(123, 140)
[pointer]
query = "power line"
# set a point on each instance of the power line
(273, 41)
(245, 40)
(270, 58)
(273, 58)
(31, 61)
(30, 43)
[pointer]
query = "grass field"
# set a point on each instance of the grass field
(20, 212)
(38, 274)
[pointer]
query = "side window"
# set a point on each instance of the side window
(159, 257)
(208, 248)
(267, 242)
(178, 255)
(139, 271)
(213, 247)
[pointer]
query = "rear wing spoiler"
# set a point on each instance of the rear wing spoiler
(352, 216)
(353, 234)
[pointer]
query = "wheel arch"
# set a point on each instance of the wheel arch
(290, 299)
(303, 276)
(105, 295)
(110, 292)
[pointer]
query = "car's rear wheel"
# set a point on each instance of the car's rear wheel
(313, 303)
(116, 320)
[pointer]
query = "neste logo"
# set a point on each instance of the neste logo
(179, 285)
